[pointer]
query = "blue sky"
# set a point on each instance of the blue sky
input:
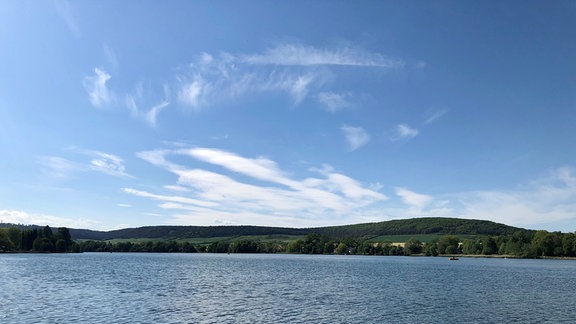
(119, 114)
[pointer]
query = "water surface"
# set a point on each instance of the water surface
(220, 288)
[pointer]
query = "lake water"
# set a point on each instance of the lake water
(220, 288)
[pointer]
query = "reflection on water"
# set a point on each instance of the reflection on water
(208, 288)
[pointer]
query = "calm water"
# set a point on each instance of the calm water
(208, 288)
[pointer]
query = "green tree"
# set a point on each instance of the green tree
(295, 246)
(62, 239)
(449, 244)
(15, 235)
(28, 238)
(47, 233)
(42, 244)
(472, 246)
(431, 248)
(489, 246)
(341, 248)
(6, 244)
(243, 246)
(413, 246)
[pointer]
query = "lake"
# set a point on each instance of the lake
(236, 288)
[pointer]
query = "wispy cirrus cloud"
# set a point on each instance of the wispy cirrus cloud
(334, 102)
(433, 115)
(98, 92)
(65, 168)
(135, 100)
(109, 164)
(253, 187)
(58, 167)
(355, 136)
(404, 132)
(295, 69)
(302, 55)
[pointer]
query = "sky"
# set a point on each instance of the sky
(117, 114)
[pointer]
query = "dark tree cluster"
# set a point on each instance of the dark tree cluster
(523, 244)
(14, 239)
(170, 246)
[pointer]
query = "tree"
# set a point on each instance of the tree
(47, 233)
(489, 246)
(295, 246)
(15, 235)
(341, 248)
(42, 244)
(413, 246)
(431, 248)
(449, 244)
(6, 244)
(470, 246)
(28, 238)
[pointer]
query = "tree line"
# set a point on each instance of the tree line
(521, 243)
(14, 239)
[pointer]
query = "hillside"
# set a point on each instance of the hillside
(432, 225)
(427, 225)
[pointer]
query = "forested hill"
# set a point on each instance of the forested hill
(432, 225)
(427, 225)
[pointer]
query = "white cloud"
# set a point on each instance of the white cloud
(22, 217)
(193, 92)
(413, 199)
(134, 101)
(433, 115)
(58, 167)
(356, 136)
(549, 200)
(266, 192)
(234, 189)
(404, 132)
(302, 55)
(290, 68)
(109, 164)
(98, 92)
(259, 168)
(334, 102)
(176, 188)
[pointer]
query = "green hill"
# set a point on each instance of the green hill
(414, 226)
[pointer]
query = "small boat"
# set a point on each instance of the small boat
(453, 258)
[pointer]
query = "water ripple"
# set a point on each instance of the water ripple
(206, 288)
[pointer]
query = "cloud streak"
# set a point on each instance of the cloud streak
(302, 55)
(252, 186)
(64, 168)
(435, 115)
(295, 69)
(108, 164)
(137, 99)
(98, 92)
